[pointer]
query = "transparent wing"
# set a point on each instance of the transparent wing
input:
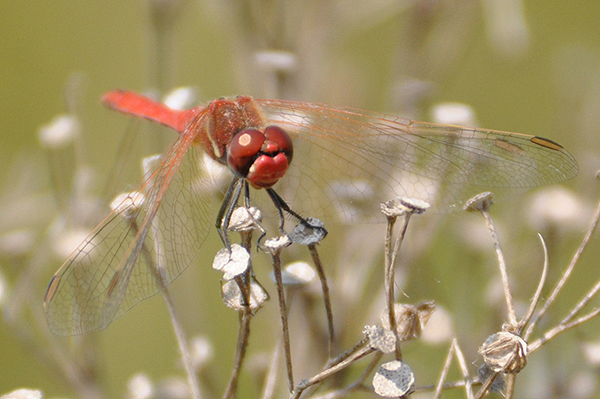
(140, 248)
(355, 158)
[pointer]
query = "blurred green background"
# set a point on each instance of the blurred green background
(539, 76)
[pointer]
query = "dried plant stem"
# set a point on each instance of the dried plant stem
(390, 272)
(512, 318)
(538, 293)
(183, 346)
(511, 383)
(454, 350)
(462, 362)
(243, 283)
(276, 259)
(82, 374)
(562, 328)
(586, 299)
(271, 378)
(569, 270)
(177, 329)
(445, 369)
(326, 297)
(356, 385)
(348, 360)
(483, 390)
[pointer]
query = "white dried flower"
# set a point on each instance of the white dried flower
(296, 273)
(23, 394)
(439, 327)
(454, 114)
(128, 204)
(17, 242)
(149, 164)
(557, 207)
(181, 98)
(61, 131)
(202, 351)
(66, 242)
(276, 60)
(140, 387)
(232, 262)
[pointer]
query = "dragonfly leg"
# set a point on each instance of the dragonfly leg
(227, 207)
(282, 206)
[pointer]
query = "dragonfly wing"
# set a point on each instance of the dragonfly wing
(357, 158)
(140, 248)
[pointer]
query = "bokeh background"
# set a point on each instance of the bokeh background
(524, 66)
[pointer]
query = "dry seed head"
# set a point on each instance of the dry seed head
(393, 379)
(232, 296)
(400, 206)
(380, 338)
(410, 319)
(480, 202)
(277, 243)
(244, 219)
(308, 235)
(505, 352)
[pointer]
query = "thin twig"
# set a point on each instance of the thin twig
(512, 318)
(537, 295)
(330, 371)
(271, 377)
(357, 384)
(177, 328)
(390, 272)
(276, 260)
(569, 270)
(511, 383)
(562, 328)
(326, 298)
(462, 362)
(584, 301)
(445, 369)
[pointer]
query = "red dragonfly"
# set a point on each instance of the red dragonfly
(349, 158)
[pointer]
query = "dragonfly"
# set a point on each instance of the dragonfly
(345, 162)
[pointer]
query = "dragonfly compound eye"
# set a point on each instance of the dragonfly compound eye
(244, 149)
(262, 158)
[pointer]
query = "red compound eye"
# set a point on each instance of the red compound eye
(243, 150)
(262, 158)
(284, 143)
